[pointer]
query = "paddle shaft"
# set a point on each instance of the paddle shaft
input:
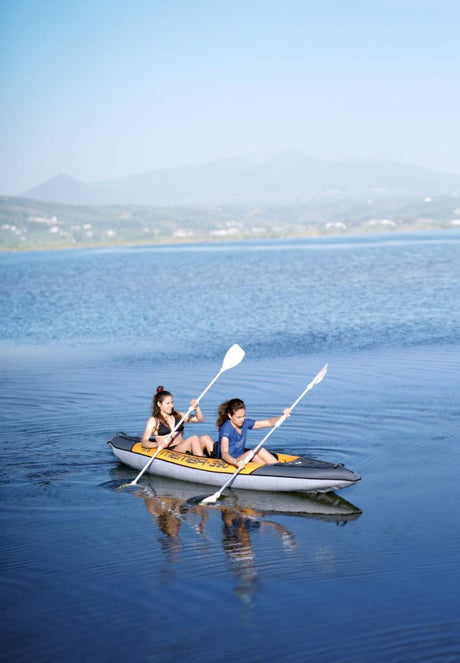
(283, 418)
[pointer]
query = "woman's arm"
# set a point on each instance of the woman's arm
(224, 452)
(269, 423)
(198, 417)
(146, 441)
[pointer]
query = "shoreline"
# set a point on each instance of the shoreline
(172, 242)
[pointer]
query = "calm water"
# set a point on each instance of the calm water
(366, 574)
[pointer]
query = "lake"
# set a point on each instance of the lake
(93, 570)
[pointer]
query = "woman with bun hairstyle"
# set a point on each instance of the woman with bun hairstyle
(233, 426)
(163, 421)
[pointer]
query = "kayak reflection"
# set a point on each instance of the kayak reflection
(175, 505)
(324, 506)
(176, 498)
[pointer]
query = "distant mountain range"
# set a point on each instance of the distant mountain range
(286, 177)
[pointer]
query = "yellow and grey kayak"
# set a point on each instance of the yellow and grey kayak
(289, 474)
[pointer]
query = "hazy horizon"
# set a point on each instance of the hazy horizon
(257, 159)
(107, 90)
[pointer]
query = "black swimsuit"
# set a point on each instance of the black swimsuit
(163, 429)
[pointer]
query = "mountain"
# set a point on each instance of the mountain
(286, 177)
(61, 189)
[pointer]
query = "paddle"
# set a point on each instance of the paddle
(232, 358)
(212, 499)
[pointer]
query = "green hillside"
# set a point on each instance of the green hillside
(28, 224)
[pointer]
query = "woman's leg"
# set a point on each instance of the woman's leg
(265, 457)
(206, 443)
(195, 445)
(199, 444)
(185, 445)
(246, 455)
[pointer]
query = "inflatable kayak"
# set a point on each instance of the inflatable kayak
(289, 474)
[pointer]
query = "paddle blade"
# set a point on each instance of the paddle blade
(233, 357)
(212, 499)
(129, 483)
(320, 375)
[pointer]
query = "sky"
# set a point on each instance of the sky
(102, 89)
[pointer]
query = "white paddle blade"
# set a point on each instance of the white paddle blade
(320, 375)
(233, 357)
(212, 499)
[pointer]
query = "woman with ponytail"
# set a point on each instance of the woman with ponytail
(163, 421)
(233, 426)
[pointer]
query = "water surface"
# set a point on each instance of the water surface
(369, 573)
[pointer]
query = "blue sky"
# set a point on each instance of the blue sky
(102, 89)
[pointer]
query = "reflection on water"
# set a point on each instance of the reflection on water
(169, 513)
(243, 515)
(239, 525)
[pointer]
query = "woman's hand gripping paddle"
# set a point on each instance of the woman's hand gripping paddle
(212, 499)
(232, 358)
